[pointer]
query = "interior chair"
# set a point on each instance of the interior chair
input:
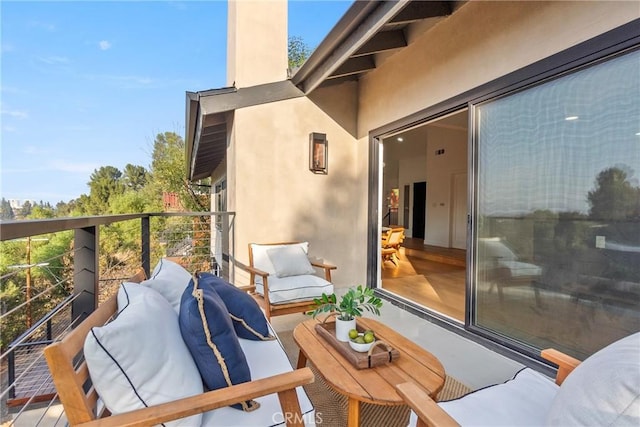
(285, 278)
(604, 389)
(391, 242)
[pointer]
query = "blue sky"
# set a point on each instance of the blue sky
(87, 84)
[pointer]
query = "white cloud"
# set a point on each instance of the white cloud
(16, 114)
(75, 167)
(53, 60)
(42, 25)
(126, 82)
(31, 149)
(104, 45)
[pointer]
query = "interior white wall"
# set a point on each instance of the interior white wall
(440, 169)
(415, 160)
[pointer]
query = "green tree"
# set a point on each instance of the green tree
(41, 212)
(168, 169)
(6, 211)
(104, 183)
(81, 206)
(298, 52)
(25, 211)
(135, 177)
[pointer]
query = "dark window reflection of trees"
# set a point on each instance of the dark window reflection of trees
(564, 243)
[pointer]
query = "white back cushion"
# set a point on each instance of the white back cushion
(290, 260)
(261, 259)
(169, 279)
(140, 359)
(604, 390)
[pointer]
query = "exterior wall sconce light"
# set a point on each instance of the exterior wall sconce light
(318, 153)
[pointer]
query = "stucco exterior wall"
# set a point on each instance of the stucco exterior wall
(480, 42)
(277, 198)
(256, 42)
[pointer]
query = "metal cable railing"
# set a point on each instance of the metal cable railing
(27, 396)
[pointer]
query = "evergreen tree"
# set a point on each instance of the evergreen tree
(6, 211)
(298, 52)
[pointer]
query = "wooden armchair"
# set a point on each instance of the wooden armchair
(429, 413)
(288, 286)
(391, 243)
(70, 375)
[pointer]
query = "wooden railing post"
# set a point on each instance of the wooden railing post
(86, 274)
(146, 245)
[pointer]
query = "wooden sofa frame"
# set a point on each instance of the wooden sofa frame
(71, 376)
(431, 415)
(263, 301)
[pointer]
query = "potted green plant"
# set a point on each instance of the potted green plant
(352, 304)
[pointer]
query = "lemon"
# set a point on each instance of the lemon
(353, 333)
(368, 337)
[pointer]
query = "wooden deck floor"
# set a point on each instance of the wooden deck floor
(430, 276)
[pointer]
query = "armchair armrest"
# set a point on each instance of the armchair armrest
(252, 270)
(283, 384)
(565, 363)
(327, 269)
(247, 288)
(322, 265)
(428, 411)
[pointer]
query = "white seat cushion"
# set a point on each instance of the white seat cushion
(265, 358)
(521, 401)
(295, 288)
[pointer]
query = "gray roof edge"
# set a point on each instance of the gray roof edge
(191, 123)
(219, 102)
(352, 18)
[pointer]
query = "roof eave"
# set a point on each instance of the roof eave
(353, 30)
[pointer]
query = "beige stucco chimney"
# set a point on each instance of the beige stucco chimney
(256, 42)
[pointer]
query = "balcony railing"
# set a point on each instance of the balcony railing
(65, 267)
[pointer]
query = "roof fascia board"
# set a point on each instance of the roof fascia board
(358, 11)
(190, 126)
(247, 97)
(369, 26)
(196, 144)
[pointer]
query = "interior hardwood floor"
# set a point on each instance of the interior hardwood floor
(430, 276)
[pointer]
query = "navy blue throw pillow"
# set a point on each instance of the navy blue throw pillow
(248, 319)
(208, 332)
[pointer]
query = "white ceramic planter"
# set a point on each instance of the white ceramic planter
(343, 327)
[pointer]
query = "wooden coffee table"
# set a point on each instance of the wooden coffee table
(373, 385)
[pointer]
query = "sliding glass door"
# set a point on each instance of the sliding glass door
(557, 210)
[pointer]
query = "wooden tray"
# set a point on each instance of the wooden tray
(376, 356)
